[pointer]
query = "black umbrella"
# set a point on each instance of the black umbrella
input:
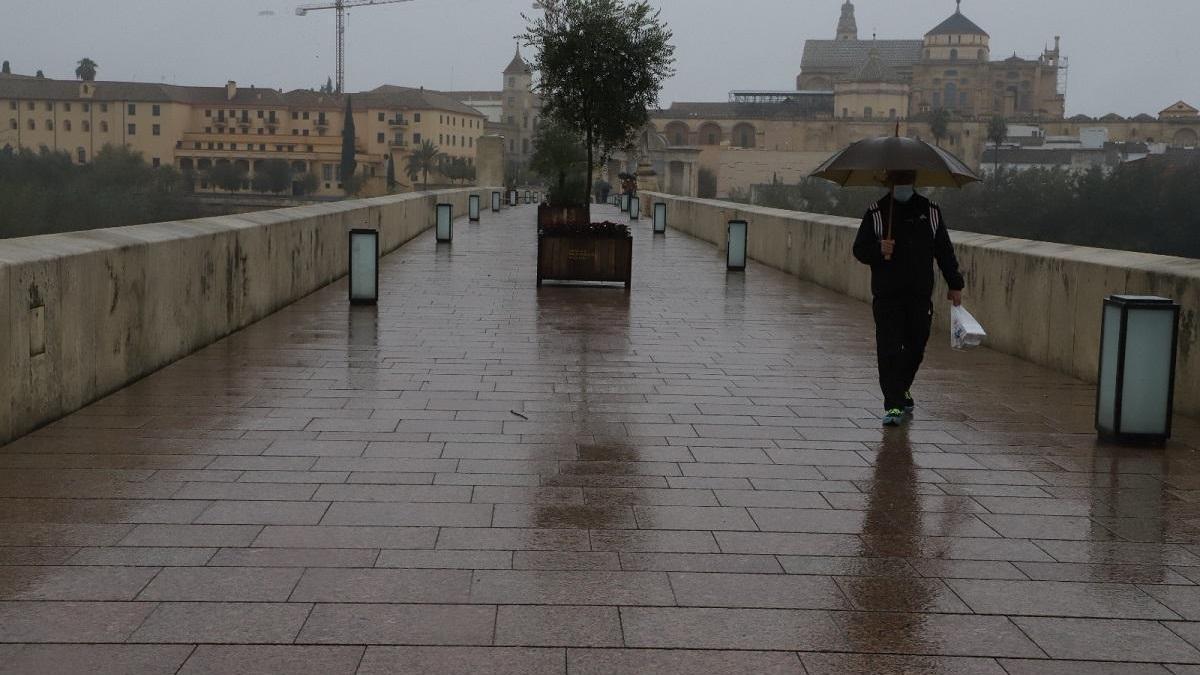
(870, 162)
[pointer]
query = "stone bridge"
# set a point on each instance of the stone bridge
(216, 465)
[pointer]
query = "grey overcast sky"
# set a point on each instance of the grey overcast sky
(1125, 57)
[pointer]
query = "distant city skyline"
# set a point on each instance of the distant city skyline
(1120, 61)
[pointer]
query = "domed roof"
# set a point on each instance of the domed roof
(957, 24)
(874, 70)
(518, 65)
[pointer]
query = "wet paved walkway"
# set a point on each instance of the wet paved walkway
(482, 477)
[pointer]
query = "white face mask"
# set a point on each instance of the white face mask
(904, 193)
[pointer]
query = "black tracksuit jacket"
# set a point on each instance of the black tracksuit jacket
(921, 238)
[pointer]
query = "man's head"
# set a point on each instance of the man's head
(902, 183)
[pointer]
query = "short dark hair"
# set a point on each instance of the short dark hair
(901, 177)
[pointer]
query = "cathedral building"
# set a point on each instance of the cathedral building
(950, 68)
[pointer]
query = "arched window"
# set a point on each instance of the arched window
(677, 133)
(950, 95)
(745, 136)
(710, 134)
(953, 54)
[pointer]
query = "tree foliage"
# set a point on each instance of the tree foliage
(997, 131)
(5, 68)
(601, 65)
(45, 192)
(86, 70)
(226, 176)
(273, 175)
(425, 158)
(560, 160)
(349, 164)
(457, 169)
(939, 125)
(1146, 206)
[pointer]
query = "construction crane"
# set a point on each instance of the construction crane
(341, 6)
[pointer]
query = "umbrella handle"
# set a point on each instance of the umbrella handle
(891, 208)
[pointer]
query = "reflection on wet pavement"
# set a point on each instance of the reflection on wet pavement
(481, 476)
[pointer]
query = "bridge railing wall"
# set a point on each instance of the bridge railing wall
(1038, 300)
(83, 314)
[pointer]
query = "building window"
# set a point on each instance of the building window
(87, 107)
(892, 114)
(103, 127)
(868, 112)
(155, 162)
(103, 107)
(12, 105)
(32, 125)
(953, 54)
(49, 125)
(416, 139)
(66, 125)
(441, 139)
(49, 106)
(381, 115)
(327, 172)
(81, 154)
(132, 108)
(132, 130)
(260, 114)
(208, 113)
(416, 117)
(306, 116)
(304, 133)
(379, 138)
(156, 130)
(155, 111)
(233, 146)
(67, 106)
(845, 113)
(220, 146)
(295, 132)
(12, 123)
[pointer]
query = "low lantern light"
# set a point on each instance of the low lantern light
(735, 243)
(512, 198)
(364, 267)
(445, 222)
(660, 217)
(495, 202)
(528, 197)
(473, 208)
(1138, 342)
(635, 208)
(625, 203)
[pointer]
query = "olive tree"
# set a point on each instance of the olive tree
(601, 65)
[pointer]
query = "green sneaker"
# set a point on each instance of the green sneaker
(893, 417)
(910, 405)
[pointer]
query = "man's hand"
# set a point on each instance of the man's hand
(888, 247)
(955, 297)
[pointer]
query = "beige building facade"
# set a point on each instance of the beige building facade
(195, 128)
(513, 112)
(850, 89)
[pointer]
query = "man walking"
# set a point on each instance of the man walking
(902, 285)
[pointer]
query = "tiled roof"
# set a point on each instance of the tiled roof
(389, 96)
(844, 56)
(805, 108)
(517, 65)
(957, 24)
(875, 70)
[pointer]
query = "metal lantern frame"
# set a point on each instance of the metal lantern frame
(473, 208)
(496, 202)
(625, 203)
(1125, 304)
(660, 217)
(635, 208)
(373, 299)
(730, 263)
(512, 198)
(528, 197)
(448, 210)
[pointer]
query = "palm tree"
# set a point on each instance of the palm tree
(424, 159)
(997, 131)
(939, 125)
(86, 70)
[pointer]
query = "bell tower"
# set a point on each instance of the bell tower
(847, 26)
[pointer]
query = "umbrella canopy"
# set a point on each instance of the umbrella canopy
(867, 163)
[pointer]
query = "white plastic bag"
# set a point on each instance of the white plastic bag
(965, 330)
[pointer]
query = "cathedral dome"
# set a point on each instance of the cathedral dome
(957, 24)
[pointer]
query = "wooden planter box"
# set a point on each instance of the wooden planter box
(565, 258)
(550, 216)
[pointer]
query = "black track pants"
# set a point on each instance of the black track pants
(901, 331)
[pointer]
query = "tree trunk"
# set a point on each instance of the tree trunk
(588, 187)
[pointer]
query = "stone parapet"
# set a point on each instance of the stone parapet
(1038, 300)
(83, 314)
